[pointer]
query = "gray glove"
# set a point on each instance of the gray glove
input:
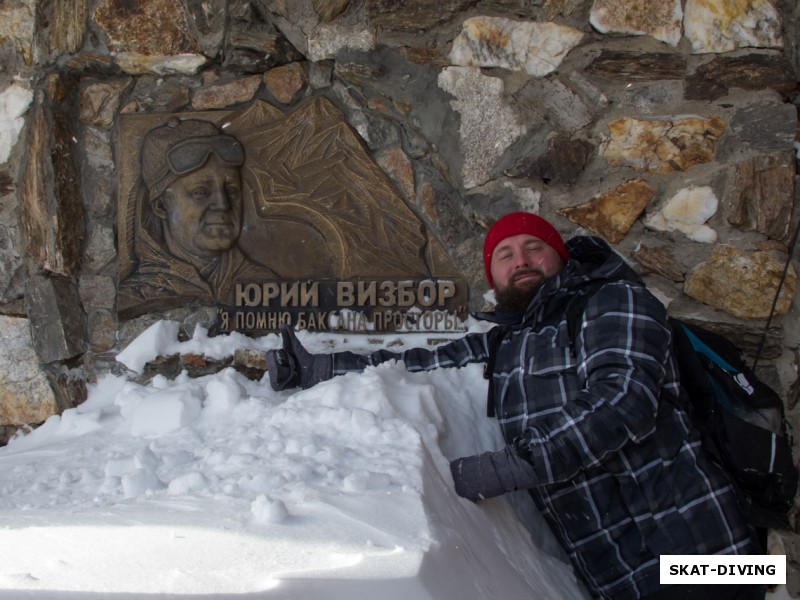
(294, 366)
(492, 474)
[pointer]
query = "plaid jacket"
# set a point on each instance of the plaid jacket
(621, 476)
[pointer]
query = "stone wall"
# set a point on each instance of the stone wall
(667, 127)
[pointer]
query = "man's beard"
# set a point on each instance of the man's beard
(515, 299)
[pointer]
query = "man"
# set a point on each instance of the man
(190, 219)
(588, 417)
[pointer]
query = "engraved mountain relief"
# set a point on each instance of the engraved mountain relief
(212, 200)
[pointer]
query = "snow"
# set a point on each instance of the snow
(219, 487)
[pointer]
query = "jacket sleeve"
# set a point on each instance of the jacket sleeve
(622, 350)
(468, 349)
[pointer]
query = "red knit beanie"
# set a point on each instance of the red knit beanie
(515, 224)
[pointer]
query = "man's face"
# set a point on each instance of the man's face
(202, 210)
(519, 264)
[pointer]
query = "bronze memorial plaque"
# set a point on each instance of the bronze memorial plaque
(274, 218)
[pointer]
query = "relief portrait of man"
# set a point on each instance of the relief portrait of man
(190, 214)
(211, 199)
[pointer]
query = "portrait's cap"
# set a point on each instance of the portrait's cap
(514, 224)
(182, 146)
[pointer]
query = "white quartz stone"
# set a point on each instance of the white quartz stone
(660, 19)
(141, 64)
(686, 212)
(533, 47)
(14, 101)
(326, 40)
(725, 25)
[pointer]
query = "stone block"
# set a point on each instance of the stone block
(58, 324)
(740, 283)
(764, 125)
(638, 66)
(761, 195)
(613, 213)
(535, 48)
(661, 145)
(413, 14)
(751, 72)
(722, 26)
(657, 18)
(25, 394)
(52, 212)
(488, 124)
(149, 36)
(14, 102)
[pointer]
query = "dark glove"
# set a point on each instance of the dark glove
(294, 366)
(491, 474)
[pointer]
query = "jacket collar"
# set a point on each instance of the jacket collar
(591, 260)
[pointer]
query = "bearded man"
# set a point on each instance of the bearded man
(592, 426)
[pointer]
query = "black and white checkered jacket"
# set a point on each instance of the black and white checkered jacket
(621, 475)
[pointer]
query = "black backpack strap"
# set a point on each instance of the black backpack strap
(493, 340)
(574, 313)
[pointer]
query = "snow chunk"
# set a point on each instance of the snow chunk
(164, 412)
(266, 510)
(154, 341)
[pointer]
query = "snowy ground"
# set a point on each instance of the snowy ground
(218, 487)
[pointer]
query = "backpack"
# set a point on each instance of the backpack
(741, 420)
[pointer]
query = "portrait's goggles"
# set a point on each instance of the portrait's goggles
(189, 155)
